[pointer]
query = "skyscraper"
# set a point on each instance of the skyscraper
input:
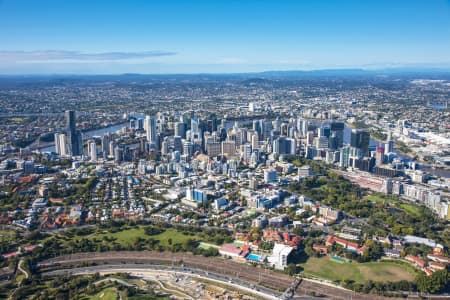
(337, 132)
(360, 138)
(180, 129)
(61, 144)
(74, 137)
(92, 150)
(57, 143)
(389, 147)
(150, 129)
(379, 156)
(195, 129)
(105, 145)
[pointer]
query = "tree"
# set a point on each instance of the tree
(438, 282)
(291, 269)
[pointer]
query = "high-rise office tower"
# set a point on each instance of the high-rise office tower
(140, 124)
(257, 127)
(165, 146)
(70, 120)
(389, 147)
(309, 138)
(57, 143)
(212, 123)
(111, 148)
(360, 138)
(61, 143)
(74, 137)
(188, 148)
(150, 129)
(195, 129)
(379, 156)
(255, 141)
(246, 151)
(92, 150)
(337, 132)
(105, 145)
(266, 129)
(180, 130)
(305, 127)
(324, 130)
(118, 154)
(177, 144)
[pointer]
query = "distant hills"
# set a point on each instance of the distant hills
(344, 72)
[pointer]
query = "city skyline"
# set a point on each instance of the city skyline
(224, 149)
(49, 37)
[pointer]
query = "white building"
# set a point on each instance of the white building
(150, 128)
(61, 144)
(279, 257)
(92, 150)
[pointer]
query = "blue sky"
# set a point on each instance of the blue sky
(190, 36)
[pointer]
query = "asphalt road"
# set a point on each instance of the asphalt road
(140, 270)
(267, 281)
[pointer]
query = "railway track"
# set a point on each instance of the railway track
(225, 267)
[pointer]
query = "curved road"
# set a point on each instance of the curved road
(269, 282)
(143, 270)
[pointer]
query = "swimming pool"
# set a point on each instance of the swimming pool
(253, 257)
(338, 259)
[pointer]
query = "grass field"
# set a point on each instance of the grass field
(206, 246)
(376, 271)
(106, 294)
(176, 236)
(122, 237)
(411, 209)
(127, 237)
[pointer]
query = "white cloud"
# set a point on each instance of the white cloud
(46, 56)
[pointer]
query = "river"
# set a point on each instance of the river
(92, 133)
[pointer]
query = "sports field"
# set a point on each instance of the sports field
(359, 272)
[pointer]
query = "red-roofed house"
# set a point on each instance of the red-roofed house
(350, 246)
(330, 240)
(439, 258)
(11, 254)
(428, 271)
(417, 261)
(436, 266)
(230, 250)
